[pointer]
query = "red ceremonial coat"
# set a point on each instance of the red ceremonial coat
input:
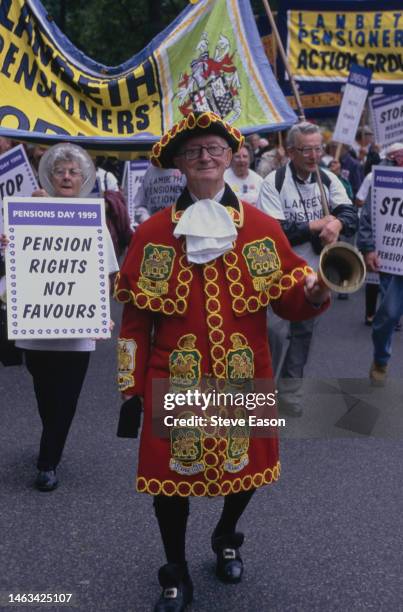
(186, 321)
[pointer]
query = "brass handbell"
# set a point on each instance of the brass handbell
(341, 267)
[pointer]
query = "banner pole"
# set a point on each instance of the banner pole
(274, 66)
(363, 121)
(338, 151)
(300, 109)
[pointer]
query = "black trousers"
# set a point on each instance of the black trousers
(172, 515)
(58, 377)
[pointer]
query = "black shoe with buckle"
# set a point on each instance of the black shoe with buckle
(46, 480)
(177, 588)
(229, 566)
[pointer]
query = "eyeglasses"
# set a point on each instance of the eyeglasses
(195, 152)
(307, 151)
(60, 173)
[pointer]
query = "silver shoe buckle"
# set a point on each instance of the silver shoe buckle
(228, 553)
(171, 593)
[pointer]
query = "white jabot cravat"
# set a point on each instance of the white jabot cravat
(209, 231)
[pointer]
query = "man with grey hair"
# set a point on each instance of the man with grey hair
(291, 194)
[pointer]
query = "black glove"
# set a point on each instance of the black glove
(130, 417)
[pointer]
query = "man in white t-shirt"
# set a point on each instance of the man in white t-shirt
(245, 183)
(291, 194)
(106, 180)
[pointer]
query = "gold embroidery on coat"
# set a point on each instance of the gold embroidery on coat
(126, 363)
(263, 262)
(184, 363)
(240, 360)
(156, 269)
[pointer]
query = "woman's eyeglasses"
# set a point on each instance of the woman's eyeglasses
(60, 173)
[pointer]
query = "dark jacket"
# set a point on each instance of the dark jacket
(118, 221)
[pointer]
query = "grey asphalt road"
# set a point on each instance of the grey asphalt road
(327, 537)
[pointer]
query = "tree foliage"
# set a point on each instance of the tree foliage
(112, 32)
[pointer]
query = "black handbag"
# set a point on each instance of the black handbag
(130, 418)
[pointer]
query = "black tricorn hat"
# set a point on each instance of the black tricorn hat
(194, 124)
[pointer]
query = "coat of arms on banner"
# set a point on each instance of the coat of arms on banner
(213, 82)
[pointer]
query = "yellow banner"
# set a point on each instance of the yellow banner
(208, 59)
(323, 45)
(49, 93)
(317, 100)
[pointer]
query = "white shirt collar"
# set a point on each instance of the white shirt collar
(209, 231)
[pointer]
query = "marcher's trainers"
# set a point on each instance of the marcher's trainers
(377, 374)
(46, 480)
(177, 588)
(229, 566)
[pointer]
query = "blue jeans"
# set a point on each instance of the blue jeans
(387, 316)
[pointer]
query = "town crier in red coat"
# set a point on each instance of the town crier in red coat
(195, 286)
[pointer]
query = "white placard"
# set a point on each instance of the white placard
(352, 104)
(57, 275)
(387, 118)
(387, 217)
(16, 177)
(133, 177)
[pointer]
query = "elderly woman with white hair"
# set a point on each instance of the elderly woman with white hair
(244, 182)
(58, 367)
